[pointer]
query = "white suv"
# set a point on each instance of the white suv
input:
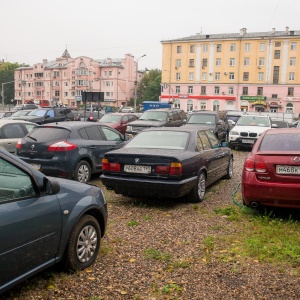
(247, 130)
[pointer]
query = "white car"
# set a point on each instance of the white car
(127, 110)
(247, 130)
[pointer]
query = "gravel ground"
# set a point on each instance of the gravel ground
(154, 250)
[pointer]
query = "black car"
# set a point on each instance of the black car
(48, 115)
(44, 221)
(217, 122)
(168, 163)
(157, 118)
(69, 149)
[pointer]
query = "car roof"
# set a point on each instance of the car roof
(70, 125)
(200, 112)
(283, 131)
(179, 129)
(10, 121)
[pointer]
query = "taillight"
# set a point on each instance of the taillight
(106, 166)
(255, 166)
(91, 117)
(62, 146)
(175, 169)
(19, 145)
(162, 170)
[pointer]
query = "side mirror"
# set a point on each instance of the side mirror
(184, 121)
(51, 186)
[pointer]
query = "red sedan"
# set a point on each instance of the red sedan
(271, 172)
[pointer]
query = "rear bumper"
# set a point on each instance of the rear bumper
(149, 187)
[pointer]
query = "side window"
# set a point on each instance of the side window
(132, 118)
(14, 183)
(214, 141)
(50, 113)
(94, 133)
(125, 118)
(13, 131)
(204, 140)
(83, 133)
(199, 143)
(110, 134)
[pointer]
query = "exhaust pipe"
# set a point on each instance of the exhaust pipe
(254, 204)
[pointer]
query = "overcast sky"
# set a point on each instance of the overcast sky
(32, 30)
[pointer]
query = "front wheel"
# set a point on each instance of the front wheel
(229, 173)
(83, 171)
(84, 243)
(197, 194)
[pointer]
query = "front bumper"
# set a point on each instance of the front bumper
(242, 142)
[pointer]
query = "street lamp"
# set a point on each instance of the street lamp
(2, 92)
(136, 73)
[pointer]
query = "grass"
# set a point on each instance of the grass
(153, 253)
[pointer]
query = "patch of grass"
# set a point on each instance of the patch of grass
(171, 287)
(180, 264)
(230, 212)
(95, 298)
(147, 218)
(132, 223)
(105, 250)
(153, 253)
(216, 227)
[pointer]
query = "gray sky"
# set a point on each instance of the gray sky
(32, 30)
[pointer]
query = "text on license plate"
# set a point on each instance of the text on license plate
(248, 141)
(36, 166)
(288, 170)
(137, 169)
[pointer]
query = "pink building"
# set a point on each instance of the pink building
(62, 81)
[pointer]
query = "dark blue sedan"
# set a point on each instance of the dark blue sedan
(44, 221)
(168, 162)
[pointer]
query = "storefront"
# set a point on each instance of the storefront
(257, 103)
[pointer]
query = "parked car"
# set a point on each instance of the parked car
(157, 118)
(167, 163)
(72, 150)
(11, 131)
(25, 106)
(20, 113)
(127, 109)
(271, 172)
(93, 116)
(118, 121)
(279, 124)
(211, 119)
(5, 114)
(294, 124)
(247, 130)
(48, 115)
(43, 222)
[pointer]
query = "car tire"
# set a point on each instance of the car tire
(197, 194)
(229, 173)
(83, 171)
(84, 244)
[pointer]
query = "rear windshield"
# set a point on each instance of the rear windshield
(111, 118)
(154, 116)
(281, 142)
(44, 134)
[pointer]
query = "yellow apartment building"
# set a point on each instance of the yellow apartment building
(257, 71)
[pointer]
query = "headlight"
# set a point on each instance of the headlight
(234, 132)
(129, 128)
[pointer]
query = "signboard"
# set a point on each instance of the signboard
(92, 96)
(78, 98)
(183, 96)
(253, 98)
(291, 98)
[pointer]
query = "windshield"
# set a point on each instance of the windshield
(110, 119)
(173, 140)
(37, 112)
(154, 116)
(253, 121)
(201, 119)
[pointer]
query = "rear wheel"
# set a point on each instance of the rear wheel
(83, 171)
(197, 194)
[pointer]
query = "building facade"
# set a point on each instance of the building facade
(62, 81)
(257, 71)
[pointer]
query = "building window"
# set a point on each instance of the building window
(191, 63)
(219, 47)
(190, 89)
(107, 83)
(245, 76)
(277, 44)
(56, 74)
(246, 61)
(39, 93)
(217, 76)
(192, 48)
(260, 91)
(245, 90)
(232, 62)
(56, 83)
(232, 47)
(217, 90)
(261, 61)
(177, 89)
(203, 90)
(293, 61)
(293, 45)
(109, 73)
(203, 105)
(289, 108)
(177, 76)
(190, 105)
(80, 72)
(247, 47)
(204, 62)
(231, 75)
(178, 62)
(81, 82)
(191, 76)
(274, 96)
(277, 54)
(179, 49)
(204, 76)
(260, 76)
(176, 103)
(290, 91)
(218, 61)
(65, 83)
(205, 48)
(230, 90)
(216, 106)
(291, 76)
(66, 94)
(57, 93)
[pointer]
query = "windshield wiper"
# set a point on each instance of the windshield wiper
(32, 138)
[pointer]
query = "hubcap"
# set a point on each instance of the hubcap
(230, 171)
(86, 244)
(83, 173)
(201, 186)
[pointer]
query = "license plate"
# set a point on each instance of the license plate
(36, 166)
(137, 169)
(294, 170)
(248, 141)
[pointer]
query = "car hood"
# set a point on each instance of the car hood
(146, 123)
(256, 129)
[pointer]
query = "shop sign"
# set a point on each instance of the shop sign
(291, 98)
(185, 96)
(253, 98)
(78, 98)
(259, 102)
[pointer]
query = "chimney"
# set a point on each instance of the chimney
(273, 30)
(287, 29)
(243, 31)
(45, 61)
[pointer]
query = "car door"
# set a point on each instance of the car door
(30, 223)
(10, 134)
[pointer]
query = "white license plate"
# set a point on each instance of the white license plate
(248, 141)
(137, 169)
(295, 170)
(36, 166)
